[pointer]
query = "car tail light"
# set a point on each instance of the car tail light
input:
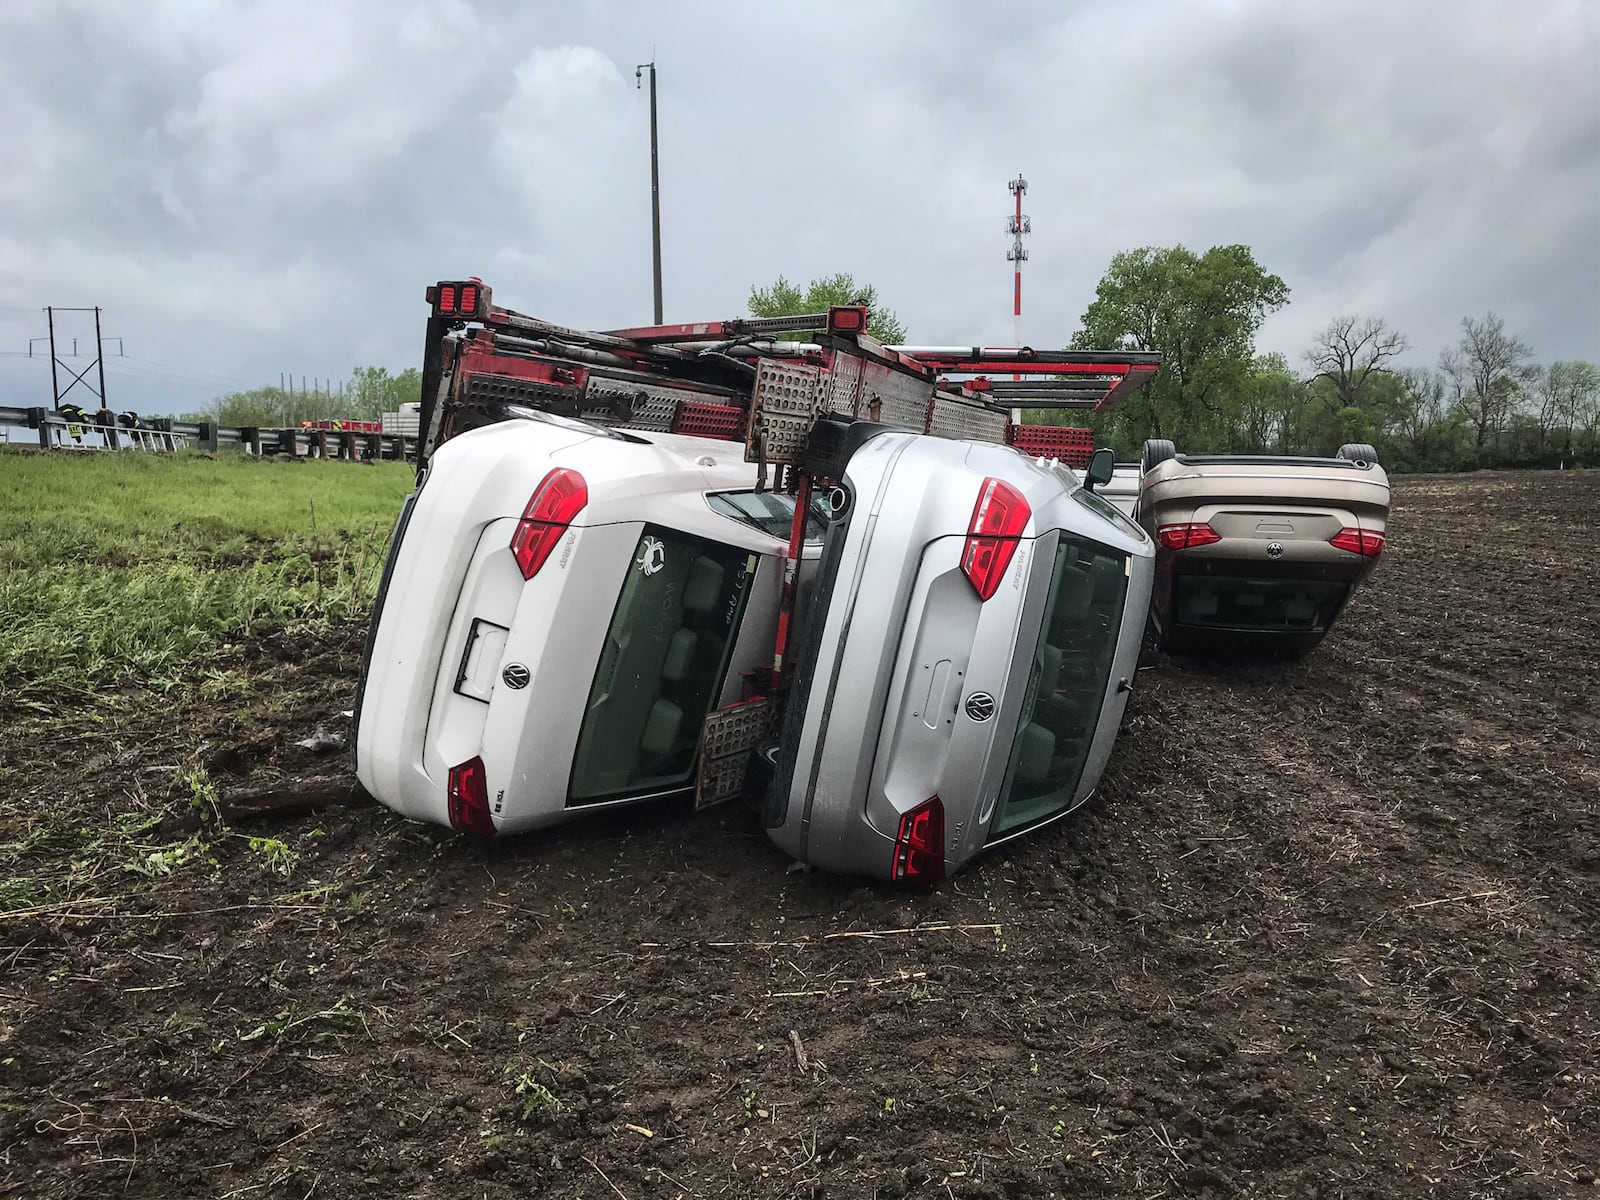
(469, 799)
(559, 497)
(919, 846)
(1359, 541)
(998, 520)
(1186, 537)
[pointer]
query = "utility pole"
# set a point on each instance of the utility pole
(1017, 226)
(100, 355)
(57, 392)
(655, 184)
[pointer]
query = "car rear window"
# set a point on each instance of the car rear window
(1071, 664)
(770, 512)
(1104, 508)
(661, 666)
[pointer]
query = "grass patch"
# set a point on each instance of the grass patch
(129, 566)
(535, 1102)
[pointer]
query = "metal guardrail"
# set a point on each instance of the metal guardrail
(45, 429)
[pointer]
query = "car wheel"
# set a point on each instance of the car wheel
(1359, 452)
(1156, 452)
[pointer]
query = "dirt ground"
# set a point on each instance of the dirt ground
(1329, 931)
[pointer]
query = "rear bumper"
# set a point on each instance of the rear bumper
(470, 485)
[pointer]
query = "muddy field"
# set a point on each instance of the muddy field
(1330, 931)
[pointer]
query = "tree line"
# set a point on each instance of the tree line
(1486, 403)
(366, 396)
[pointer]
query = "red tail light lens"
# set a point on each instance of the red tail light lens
(469, 799)
(469, 301)
(919, 846)
(998, 520)
(559, 497)
(1359, 541)
(447, 300)
(1185, 537)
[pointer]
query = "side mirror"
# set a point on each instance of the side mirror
(1101, 467)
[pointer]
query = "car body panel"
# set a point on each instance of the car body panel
(1274, 579)
(456, 612)
(869, 735)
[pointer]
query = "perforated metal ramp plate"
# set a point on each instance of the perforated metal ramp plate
(786, 404)
(649, 408)
(893, 397)
(954, 418)
(726, 740)
(842, 389)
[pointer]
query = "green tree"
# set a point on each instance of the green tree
(261, 407)
(784, 299)
(1202, 312)
(1267, 420)
(1423, 430)
(1566, 391)
(372, 391)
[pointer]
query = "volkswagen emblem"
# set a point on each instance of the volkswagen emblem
(1274, 549)
(516, 676)
(980, 706)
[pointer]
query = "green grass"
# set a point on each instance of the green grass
(128, 566)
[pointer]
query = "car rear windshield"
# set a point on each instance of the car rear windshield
(661, 666)
(770, 512)
(1077, 641)
(1264, 605)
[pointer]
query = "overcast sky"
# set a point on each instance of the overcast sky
(249, 189)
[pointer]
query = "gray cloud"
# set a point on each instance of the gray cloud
(264, 187)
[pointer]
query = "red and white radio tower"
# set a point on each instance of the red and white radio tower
(1017, 226)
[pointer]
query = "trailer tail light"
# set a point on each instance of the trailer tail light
(459, 299)
(1359, 541)
(1186, 537)
(469, 799)
(998, 520)
(850, 318)
(559, 497)
(919, 846)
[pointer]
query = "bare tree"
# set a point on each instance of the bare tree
(1349, 350)
(1566, 390)
(1488, 368)
(1421, 416)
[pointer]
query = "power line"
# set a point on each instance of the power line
(156, 373)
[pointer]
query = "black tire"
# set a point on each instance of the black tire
(1359, 453)
(1156, 451)
(831, 444)
(758, 773)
